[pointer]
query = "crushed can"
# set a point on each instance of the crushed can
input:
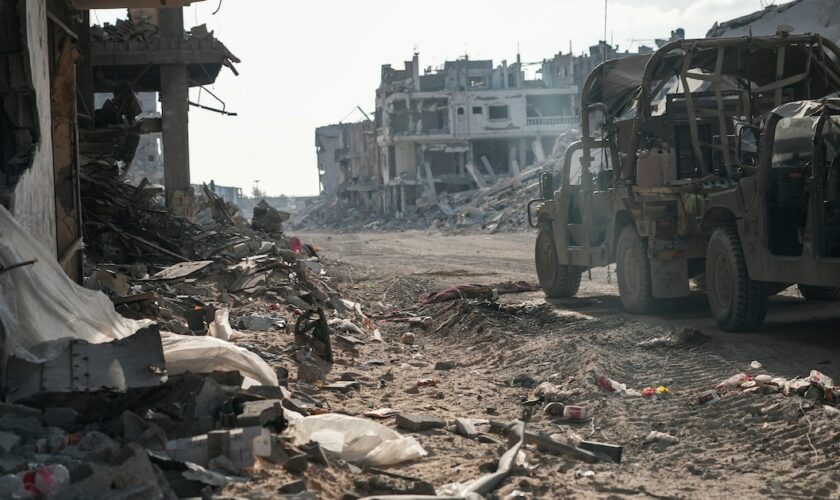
(575, 413)
(709, 396)
(554, 409)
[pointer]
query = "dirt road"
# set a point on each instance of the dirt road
(796, 337)
(753, 443)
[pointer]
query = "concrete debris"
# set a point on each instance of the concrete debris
(493, 207)
(414, 422)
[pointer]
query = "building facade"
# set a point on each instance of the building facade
(466, 124)
(347, 164)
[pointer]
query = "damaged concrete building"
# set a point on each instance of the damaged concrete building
(347, 168)
(52, 64)
(466, 124)
(461, 127)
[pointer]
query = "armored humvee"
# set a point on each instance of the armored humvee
(716, 159)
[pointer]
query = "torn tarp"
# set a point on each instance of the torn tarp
(39, 303)
(186, 353)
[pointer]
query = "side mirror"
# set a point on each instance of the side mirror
(547, 185)
(748, 138)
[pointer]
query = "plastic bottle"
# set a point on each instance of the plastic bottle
(44, 481)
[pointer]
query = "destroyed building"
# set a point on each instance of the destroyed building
(467, 123)
(347, 169)
(461, 127)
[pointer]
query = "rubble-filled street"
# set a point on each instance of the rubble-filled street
(519, 357)
(607, 269)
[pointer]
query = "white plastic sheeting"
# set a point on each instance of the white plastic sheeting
(184, 353)
(39, 303)
(354, 439)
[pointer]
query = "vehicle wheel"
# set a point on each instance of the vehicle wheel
(819, 293)
(633, 270)
(557, 280)
(738, 303)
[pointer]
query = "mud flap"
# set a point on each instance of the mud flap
(669, 278)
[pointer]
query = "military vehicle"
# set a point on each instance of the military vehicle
(715, 159)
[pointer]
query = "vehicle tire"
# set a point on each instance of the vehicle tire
(633, 269)
(819, 293)
(557, 280)
(738, 303)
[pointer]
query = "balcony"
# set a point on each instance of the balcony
(550, 121)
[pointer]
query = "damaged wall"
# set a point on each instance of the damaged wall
(33, 204)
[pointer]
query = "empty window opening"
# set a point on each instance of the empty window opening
(475, 82)
(498, 112)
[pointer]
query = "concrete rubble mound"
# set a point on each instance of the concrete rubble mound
(498, 207)
(162, 378)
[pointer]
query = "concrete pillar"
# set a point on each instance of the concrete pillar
(174, 96)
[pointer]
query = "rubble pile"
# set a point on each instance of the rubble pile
(186, 390)
(500, 207)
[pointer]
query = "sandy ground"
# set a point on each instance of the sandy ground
(745, 446)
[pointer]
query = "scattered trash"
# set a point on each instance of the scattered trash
(354, 439)
(44, 481)
(659, 392)
(381, 413)
(710, 396)
(733, 382)
(575, 413)
(554, 409)
(220, 327)
(611, 385)
(415, 422)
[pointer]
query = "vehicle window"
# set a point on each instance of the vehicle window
(793, 143)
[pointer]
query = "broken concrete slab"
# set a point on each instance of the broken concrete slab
(465, 427)
(64, 418)
(257, 323)
(261, 413)
(416, 422)
(293, 487)
(22, 426)
(8, 441)
(297, 464)
(181, 270)
(133, 362)
(343, 386)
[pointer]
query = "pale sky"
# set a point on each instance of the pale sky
(307, 64)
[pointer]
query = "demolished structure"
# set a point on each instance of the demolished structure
(441, 137)
(347, 167)
(465, 125)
